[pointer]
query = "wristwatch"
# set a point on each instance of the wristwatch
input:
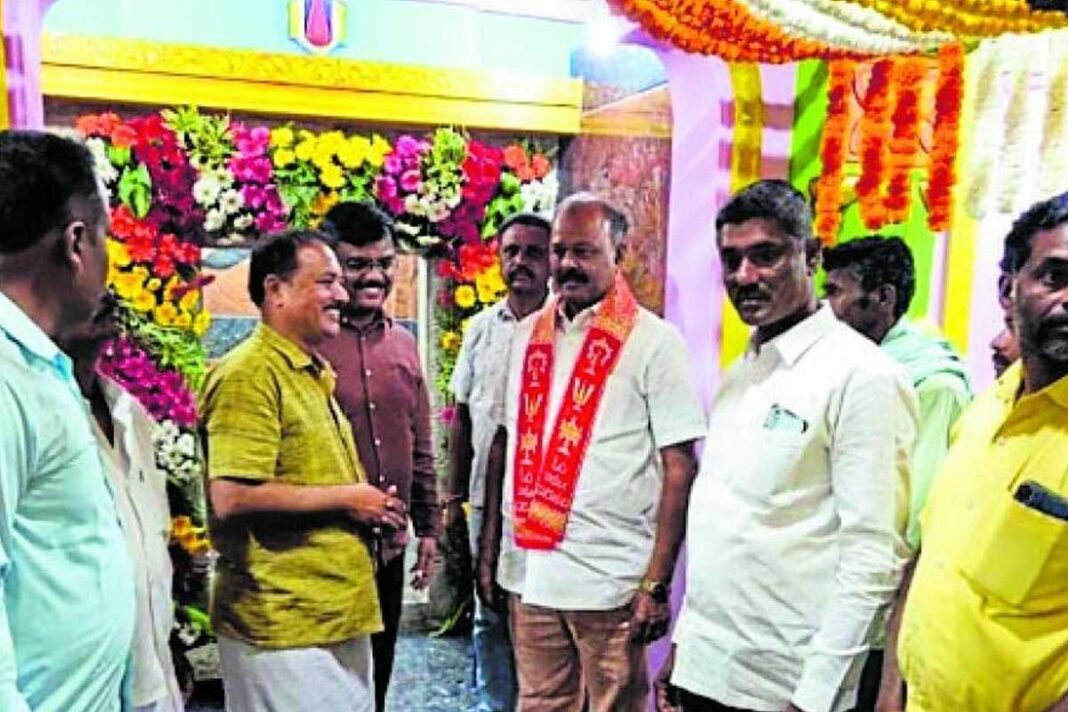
(659, 591)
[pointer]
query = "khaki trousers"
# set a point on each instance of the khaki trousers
(564, 658)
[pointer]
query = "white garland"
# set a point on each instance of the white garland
(1021, 157)
(844, 25)
(176, 453)
(988, 67)
(1053, 178)
(539, 196)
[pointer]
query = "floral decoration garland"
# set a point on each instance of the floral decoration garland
(904, 146)
(948, 99)
(833, 150)
(1054, 150)
(875, 127)
(967, 19)
(725, 28)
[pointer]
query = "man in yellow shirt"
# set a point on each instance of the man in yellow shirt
(294, 600)
(985, 625)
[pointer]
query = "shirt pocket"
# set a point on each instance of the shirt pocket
(1020, 557)
(766, 461)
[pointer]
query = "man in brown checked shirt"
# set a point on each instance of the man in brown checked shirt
(382, 391)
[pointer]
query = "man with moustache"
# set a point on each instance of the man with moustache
(1004, 349)
(599, 418)
(523, 249)
(294, 600)
(985, 626)
(800, 504)
(381, 390)
(123, 431)
(66, 582)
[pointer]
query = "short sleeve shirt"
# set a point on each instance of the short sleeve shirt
(649, 403)
(283, 581)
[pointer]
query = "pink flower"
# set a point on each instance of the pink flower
(393, 164)
(255, 196)
(407, 145)
(385, 188)
(410, 181)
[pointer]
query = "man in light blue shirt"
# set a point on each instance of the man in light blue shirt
(66, 581)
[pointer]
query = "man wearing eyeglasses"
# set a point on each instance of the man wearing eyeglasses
(383, 393)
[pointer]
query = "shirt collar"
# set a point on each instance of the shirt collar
(582, 319)
(378, 321)
(1011, 381)
(795, 341)
(297, 357)
(21, 329)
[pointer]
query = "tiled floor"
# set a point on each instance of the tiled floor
(429, 675)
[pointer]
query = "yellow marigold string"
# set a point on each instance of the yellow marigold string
(967, 18)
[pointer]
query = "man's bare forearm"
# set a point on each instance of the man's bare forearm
(680, 468)
(461, 454)
(231, 497)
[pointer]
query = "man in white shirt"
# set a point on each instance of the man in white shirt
(600, 420)
(524, 255)
(797, 516)
(123, 431)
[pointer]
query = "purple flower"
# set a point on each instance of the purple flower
(410, 181)
(385, 188)
(407, 145)
(255, 196)
(392, 164)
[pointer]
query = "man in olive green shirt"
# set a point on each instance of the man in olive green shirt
(870, 283)
(294, 599)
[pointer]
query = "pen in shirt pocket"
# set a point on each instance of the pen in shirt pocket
(784, 420)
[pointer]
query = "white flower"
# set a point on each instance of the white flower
(231, 201)
(206, 191)
(454, 200)
(243, 222)
(186, 445)
(214, 220)
(412, 205)
(224, 175)
(104, 169)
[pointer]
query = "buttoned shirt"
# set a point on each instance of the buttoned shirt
(285, 581)
(476, 380)
(141, 497)
(986, 620)
(649, 403)
(383, 394)
(66, 582)
(796, 521)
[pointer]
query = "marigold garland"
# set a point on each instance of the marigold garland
(833, 150)
(949, 95)
(967, 18)
(724, 28)
(875, 126)
(904, 147)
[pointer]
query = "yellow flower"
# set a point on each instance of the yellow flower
(379, 148)
(201, 322)
(282, 137)
(190, 300)
(331, 141)
(306, 135)
(464, 323)
(153, 284)
(143, 301)
(284, 157)
(129, 284)
(183, 320)
(331, 176)
(305, 150)
(323, 202)
(450, 341)
(192, 539)
(118, 255)
(465, 296)
(165, 314)
(354, 152)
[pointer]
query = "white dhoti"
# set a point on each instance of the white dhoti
(336, 677)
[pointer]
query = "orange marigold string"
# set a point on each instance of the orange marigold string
(875, 128)
(724, 28)
(833, 150)
(948, 98)
(909, 74)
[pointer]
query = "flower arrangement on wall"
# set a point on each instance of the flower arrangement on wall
(179, 179)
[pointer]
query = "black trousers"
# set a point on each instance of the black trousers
(390, 581)
(870, 679)
(695, 703)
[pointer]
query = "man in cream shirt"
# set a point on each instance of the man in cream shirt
(797, 516)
